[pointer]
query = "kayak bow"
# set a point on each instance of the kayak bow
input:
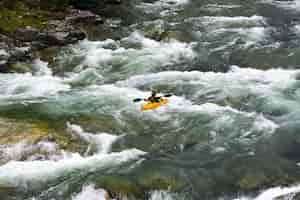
(151, 106)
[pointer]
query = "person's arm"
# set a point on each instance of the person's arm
(157, 98)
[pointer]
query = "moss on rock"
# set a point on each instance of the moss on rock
(15, 131)
(11, 19)
(252, 181)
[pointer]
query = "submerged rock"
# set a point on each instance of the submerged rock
(139, 185)
(23, 140)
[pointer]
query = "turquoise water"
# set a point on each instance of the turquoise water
(230, 130)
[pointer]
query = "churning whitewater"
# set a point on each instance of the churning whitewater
(70, 129)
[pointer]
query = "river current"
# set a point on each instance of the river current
(230, 129)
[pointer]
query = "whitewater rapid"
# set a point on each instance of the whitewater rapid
(209, 111)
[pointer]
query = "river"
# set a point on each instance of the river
(230, 129)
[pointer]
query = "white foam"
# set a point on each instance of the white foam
(33, 173)
(160, 195)
(41, 67)
(103, 141)
(238, 82)
(23, 49)
(89, 192)
(278, 78)
(251, 35)
(23, 150)
(3, 52)
(274, 193)
(265, 125)
(162, 4)
(138, 38)
(289, 5)
(175, 1)
(234, 82)
(151, 55)
(251, 30)
(213, 22)
(218, 7)
(26, 86)
(297, 28)
(88, 76)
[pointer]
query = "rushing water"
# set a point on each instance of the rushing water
(230, 130)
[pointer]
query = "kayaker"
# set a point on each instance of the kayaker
(153, 98)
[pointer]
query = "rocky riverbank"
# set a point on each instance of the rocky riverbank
(29, 27)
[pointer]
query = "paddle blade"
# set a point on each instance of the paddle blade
(137, 100)
(167, 95)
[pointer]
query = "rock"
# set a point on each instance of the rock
(49, 54)
(60, 38)
(60, 34)
(6, 191)
(26, 34)
(74, 36)
(20, 55)
(4, 67)
(113, 1)
(4, 56)
(4, 52)
(79, 16)
(252, 181)
(53, 39)
(120, 187)
(20, 67)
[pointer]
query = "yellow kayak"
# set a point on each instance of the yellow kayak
(151, 106)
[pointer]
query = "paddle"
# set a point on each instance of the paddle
(167, 95)
(139, 99)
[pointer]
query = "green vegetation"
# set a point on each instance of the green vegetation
(19, 14)
(19, 17)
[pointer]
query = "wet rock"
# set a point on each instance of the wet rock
(60, 38)
(20, 67)
(49, 54)
(6, 192)
(26, 34)
(75, 36)
(54, 38)
(20, 55)
(119, 187)
(21, 131)
(79, 16)
(139, 184)
(3, 66)
(113, 1)
(4, 56)
(4, 52)
(15, 131)
(252, 181)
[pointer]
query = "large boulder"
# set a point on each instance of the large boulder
(84, 16)
(49, 38)
(26, 34)
(60, 38)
